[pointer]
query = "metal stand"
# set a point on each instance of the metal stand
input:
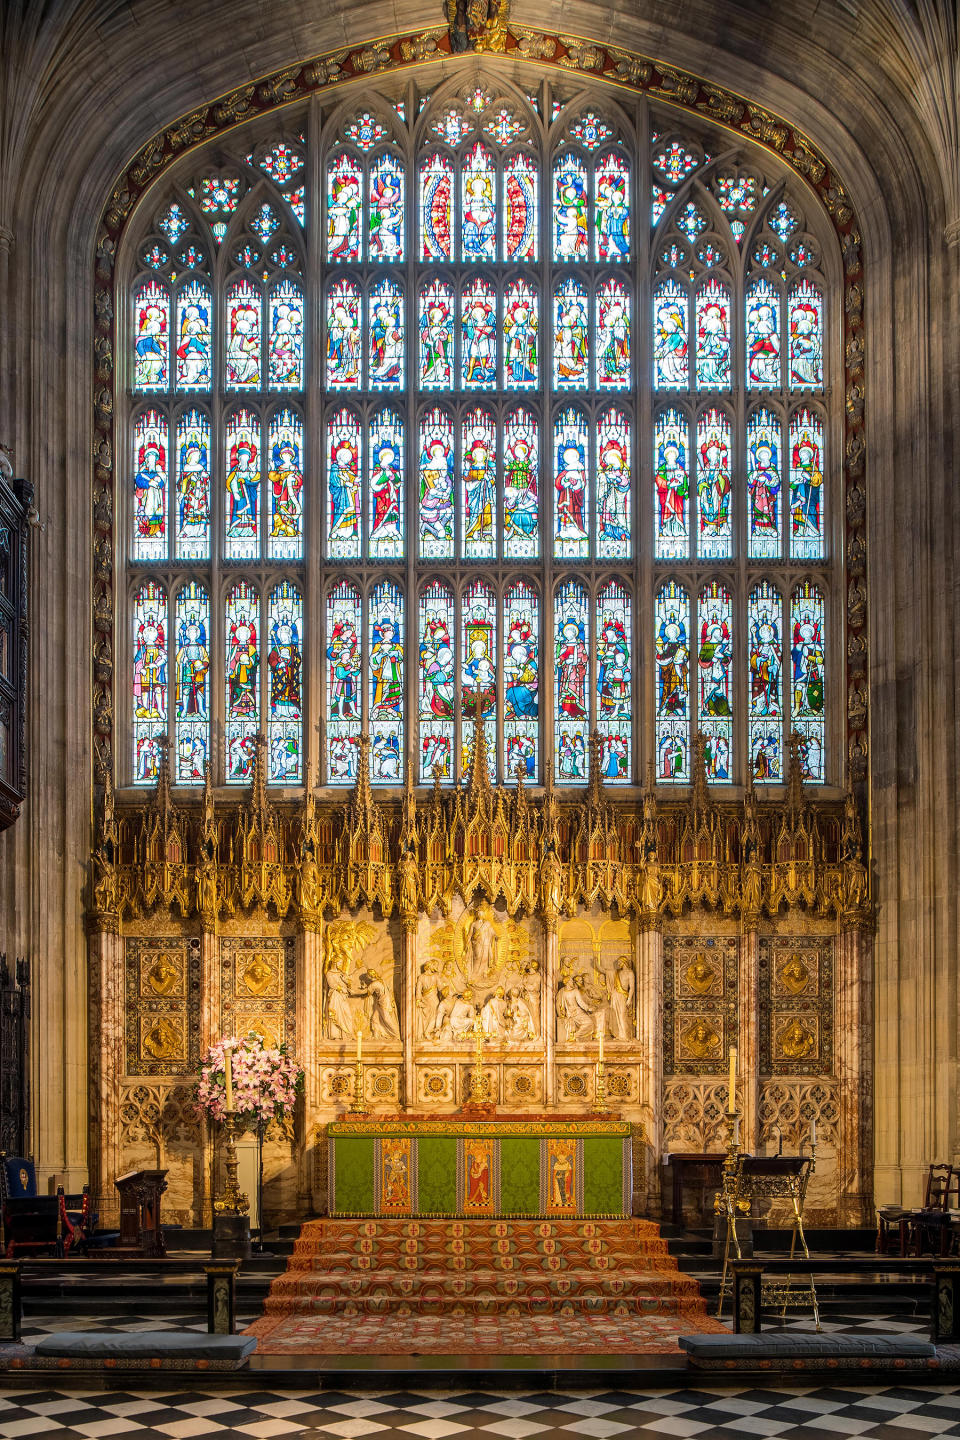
(358, 1107)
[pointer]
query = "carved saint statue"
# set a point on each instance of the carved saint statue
(382, 1019)
(483, 945)
(574, 1012)
(341, 1021)
(622, 990)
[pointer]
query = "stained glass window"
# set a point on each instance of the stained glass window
(149, 681)
(243, 681)
(192, 521)
(472, 395)
(521, 485)
(613, 508)
(807, 714)
(436, 687)
(806, 485)
(673, 684)
(521, 687)
(614, 683)
(714, 661)
(571, 659)
(150, 486)
(714, 486)
(765, 660)
(344, 701)
(386, 684)
(385, 458)
(436, 485)
(192, 691)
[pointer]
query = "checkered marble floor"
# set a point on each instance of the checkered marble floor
(805, 1412)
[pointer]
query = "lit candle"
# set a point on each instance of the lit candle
(359, 1042)
(813, 1132)
(732, 1098)
(600, 1041)
(228, 1075)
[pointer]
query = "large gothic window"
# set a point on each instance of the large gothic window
(481, 403)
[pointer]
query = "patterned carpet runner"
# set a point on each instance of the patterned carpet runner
(519, 1287)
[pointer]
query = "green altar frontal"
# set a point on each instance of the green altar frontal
(500, 1168)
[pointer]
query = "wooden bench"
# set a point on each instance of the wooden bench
(148, 1349)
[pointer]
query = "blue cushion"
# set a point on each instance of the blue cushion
(798, 1344)
(20, 1177)
(145, 1345)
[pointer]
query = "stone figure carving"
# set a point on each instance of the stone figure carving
(383, 1021)
(427, 996)
(701, 1040)
(368, 1001)
(479, 966)
(574, 1013)
(483, 945)
(341, 1020)
(596, 996)
(622, 990)
(795, 1041)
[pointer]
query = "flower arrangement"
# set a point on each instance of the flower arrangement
(266, 1081)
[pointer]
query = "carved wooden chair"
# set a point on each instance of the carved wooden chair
(911, 1227)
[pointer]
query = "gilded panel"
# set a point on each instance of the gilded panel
(699, 1002)
(162, 1005)
(796, 1005)
(258, 981)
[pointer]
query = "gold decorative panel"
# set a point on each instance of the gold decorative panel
(796, 1005)
(699, 1003)
(162, 1005)
(258, 988)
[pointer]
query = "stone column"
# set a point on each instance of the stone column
(210, 1030)
(548, 1007)
(308, 961)
(410, 924)
(649, 952)
(854, 1031)
(747, 1031)
(106, 950)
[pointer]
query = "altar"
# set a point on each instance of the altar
(530, 1167)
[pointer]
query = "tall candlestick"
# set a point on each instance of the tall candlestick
(359, 1042)
(228, 1075)
(600, 1042)
(732, 1098)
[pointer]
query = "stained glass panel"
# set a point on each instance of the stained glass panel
(436, 208)
(807, 715)
(243, 336)
(193, 486)
(715, 537)
(192, 684)
(764, 484)
(194, 359)
(570, 336)
(242, 521)
(285, 661)
(673, 684)
(243, 681)
(521, 697)
(343, 208)
(285, 343)
(713, 336)
(343, 486)
(285, 536)
(343, 335)
(613, 336)
(386, 209)
(521, 485)
(671, 452)
(763, 336)
(671, 361)
(479, 218)
(150, 486)
(479, 486)
(714, 660)
(569, 210)
(478, 340)
(521, 345)
(478, 672)
(436, 689)
(806, 486)
(385, 458)
(614, 684)
(151, 363)
(149, 681)
(570, 483)
(436, 335)
(765, 659)
(806, 337)
(386, 336)
(436, 486)
(613, 486)
(521, 223)
(612, 209)
(343, 683)
(572, 671)
(386, 684)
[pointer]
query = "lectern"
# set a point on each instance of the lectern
(140, 1192)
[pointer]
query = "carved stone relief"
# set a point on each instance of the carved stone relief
(360, 980)
(597, 984)
(796, 1005)
(699, 1002)
(482, 963)
(162, 1005)
(258, 988)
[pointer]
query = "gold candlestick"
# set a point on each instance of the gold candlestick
(477, 1085)
(358, 1107)
(232, 1201)
(600, 1087)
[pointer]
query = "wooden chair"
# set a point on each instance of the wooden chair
(911, 1226)
(34, 1224)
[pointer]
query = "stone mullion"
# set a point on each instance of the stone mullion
(649, 961)
(312, 570)
(645, 701)
(211, 1028)
(308, 960)
(854, 1056)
